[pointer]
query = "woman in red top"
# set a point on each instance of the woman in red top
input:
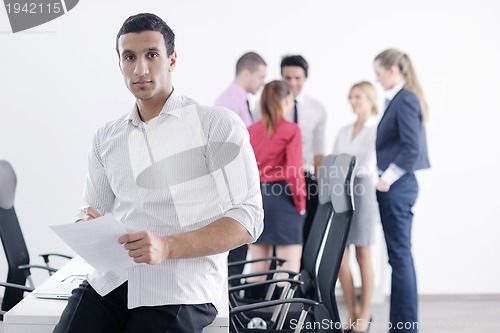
(278, 149)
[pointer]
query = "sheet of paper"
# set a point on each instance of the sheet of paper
(96, 241)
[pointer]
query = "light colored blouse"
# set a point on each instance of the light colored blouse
(362, 146)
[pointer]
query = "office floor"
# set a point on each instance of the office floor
(442, 314)
(446, 314)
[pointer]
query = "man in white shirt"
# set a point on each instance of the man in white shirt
(310, 115)
(183, 180)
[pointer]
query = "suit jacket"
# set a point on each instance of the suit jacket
(401, 137)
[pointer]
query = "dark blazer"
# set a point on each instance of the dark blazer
(401, 137)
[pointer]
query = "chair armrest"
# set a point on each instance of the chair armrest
(263, 283)
(46, 256)
(286, 291)
(279, 261)
(243, 276)
(267, 304)
(27, 267)
(17, 286)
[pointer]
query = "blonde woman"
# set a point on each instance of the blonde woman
(401, 150)
(358, 139)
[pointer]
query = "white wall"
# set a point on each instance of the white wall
(60, 81)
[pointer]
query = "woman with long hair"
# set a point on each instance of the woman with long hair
(401, 149)
(277, 144)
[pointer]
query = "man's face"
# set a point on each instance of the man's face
(257, 79)
(295, 77)
(145, 66)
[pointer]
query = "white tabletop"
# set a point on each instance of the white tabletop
(37, 315)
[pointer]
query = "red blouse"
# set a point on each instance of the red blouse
(279, 157)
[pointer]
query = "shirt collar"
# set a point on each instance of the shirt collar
(173, 106)
(300, 97)
(389, 94)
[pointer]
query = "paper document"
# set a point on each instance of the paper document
(96, 241)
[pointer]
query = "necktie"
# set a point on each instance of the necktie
(249, 112)
(295, 112)
(386, 103)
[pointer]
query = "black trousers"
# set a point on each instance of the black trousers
(311, 205)
(88, 312)
(237, 254)
(311, 202)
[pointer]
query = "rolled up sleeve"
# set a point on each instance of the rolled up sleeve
(231, 152)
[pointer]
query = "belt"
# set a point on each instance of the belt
(310, 175)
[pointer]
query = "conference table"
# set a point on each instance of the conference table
(40, 315)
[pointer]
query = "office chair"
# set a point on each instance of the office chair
(13, 243)
(10, 286)
(311, 246)
(322, 307)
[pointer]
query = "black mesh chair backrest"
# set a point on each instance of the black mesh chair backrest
(318, 228)
(331, 251)
(11, 235)
(338, 229)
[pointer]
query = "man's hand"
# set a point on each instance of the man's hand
(144, 247)
(91, 213)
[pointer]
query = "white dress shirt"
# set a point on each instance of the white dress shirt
(312, 123)
(183, 170)
(362, 146)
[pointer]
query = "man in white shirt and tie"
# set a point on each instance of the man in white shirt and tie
(310, 115)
